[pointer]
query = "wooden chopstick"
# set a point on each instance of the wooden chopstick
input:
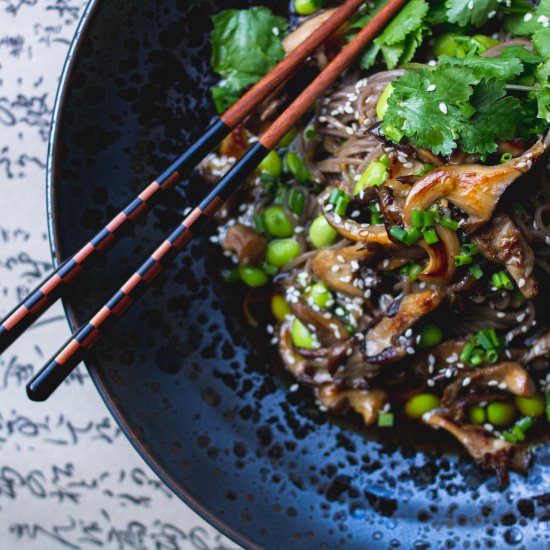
(56, 284)
(60, 366)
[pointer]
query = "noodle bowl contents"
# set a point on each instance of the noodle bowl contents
(400, 233)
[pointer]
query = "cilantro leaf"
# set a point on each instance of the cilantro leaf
(428, 118)
(542, 76)
(470, 12)
(541, 42)
(529, 22)
(527, 57)
(501, 68)
(449, 106)
(497, 116)
(401, 38)
(409, 19)
(246, 45)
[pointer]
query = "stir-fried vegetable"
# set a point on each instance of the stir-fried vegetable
(399, 233)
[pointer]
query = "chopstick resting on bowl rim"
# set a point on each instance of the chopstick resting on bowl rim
(60, 366)
(57, 283)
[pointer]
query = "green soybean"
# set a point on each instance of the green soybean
(531, 406)
(277, 222)
(319, 295)
(253, 276)
(430, 335)
(279, 307)
(501, 414)
(307, 7)
(477, 415)
(420, 404)
(382, 105)
(321, 233)
(272, 164)
(301, 337)
(281, 251)
(447, 44)
(375, 174)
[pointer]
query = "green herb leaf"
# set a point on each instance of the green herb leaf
(505, 69)
(419, 113)
(497, 117)
(398, 43)
(529, 22)
(409, 19)
(223, 98)
(246, 45)
(470, 12)
(541, 42)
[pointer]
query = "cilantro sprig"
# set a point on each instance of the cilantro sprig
(448, 106)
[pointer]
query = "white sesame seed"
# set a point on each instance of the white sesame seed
(528, 17)
(443, 108)
(502, 386)
(294, 387)
(410, 350)
(431, 88)
(471, 5)
(521, 283)
(488, 427)
(466, 381)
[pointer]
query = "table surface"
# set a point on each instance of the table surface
(68, 477)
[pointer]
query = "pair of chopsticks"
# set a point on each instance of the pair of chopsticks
(59, 367)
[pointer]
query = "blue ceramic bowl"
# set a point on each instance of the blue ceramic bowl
(180, 374)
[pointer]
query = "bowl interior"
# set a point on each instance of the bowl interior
(180, 373)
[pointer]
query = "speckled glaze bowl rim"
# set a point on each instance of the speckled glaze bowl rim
(67, 73)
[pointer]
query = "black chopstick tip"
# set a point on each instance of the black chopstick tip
(35, 392)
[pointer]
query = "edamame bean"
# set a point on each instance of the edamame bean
(277, 222)
(447, 44)
(319, 295)
(280, 307)
(531, 406)
(307, 7)
(477, 415)
(420, 404)
(301, 337)
(321, 233)
(272, 164)
(430, 335)
(501, 414)
(281, 251)
(253, 276)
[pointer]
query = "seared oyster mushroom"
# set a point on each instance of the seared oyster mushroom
(366, 402)
(501, 242)
(475, 189)
(441, 257)
(312, 372)
(384, 342)
(246, 243)
(485, 449)
(508, 376)
(355, 231)
(539, 348)
(348, 260)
